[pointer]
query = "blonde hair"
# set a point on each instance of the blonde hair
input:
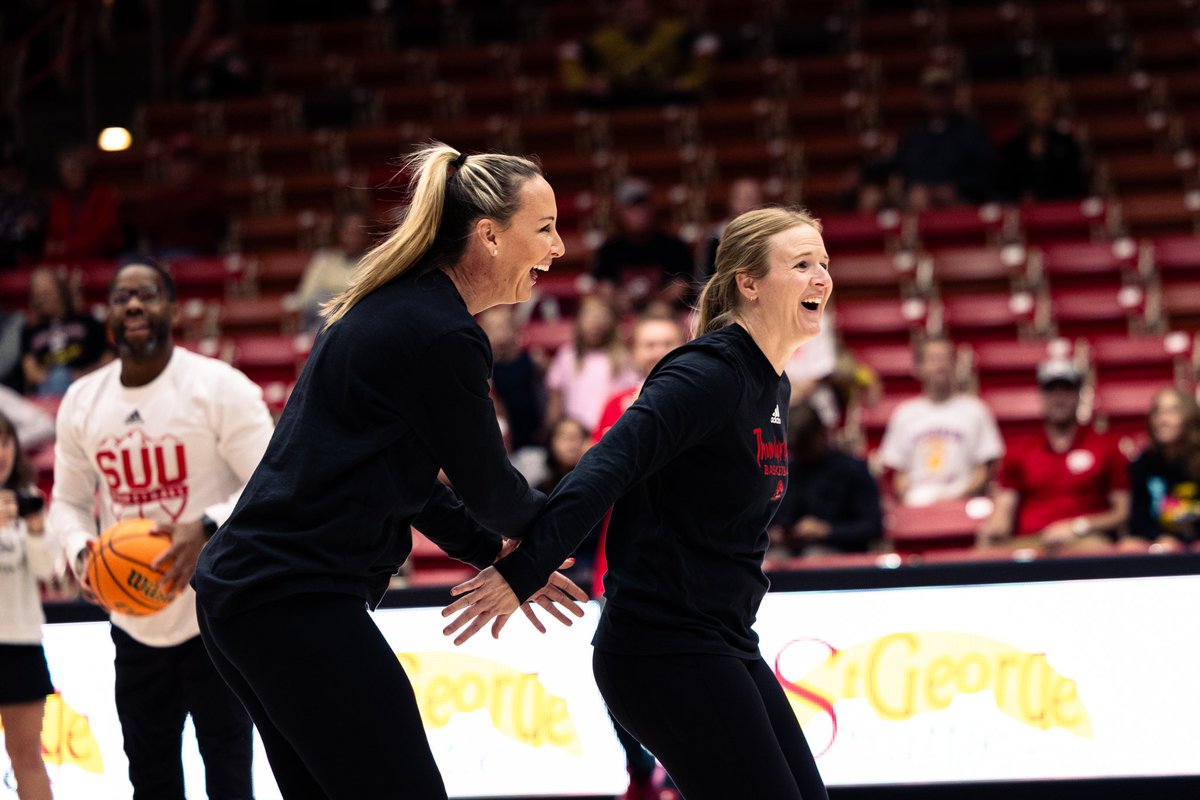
(436, 226)
(744, 248)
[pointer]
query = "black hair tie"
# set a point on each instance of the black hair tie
(462, 159)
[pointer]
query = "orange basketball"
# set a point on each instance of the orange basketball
(119, 569)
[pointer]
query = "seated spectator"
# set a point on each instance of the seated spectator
(59, 342)
(641, 245)
(22, 212)
(588, 370)
(211, 62)
(12, 323)
(185, 216)
(33, 425)
(876, 184)
(1065, 488)
(84, 217)
(329, 270)
(516, 377)
(832, 501)
(944, 444)
(810, 371)
(656, 333)
(639, 58)
(947, 158)
(566, 442)
(1043, 160)
(745, 194)
(1164, 481)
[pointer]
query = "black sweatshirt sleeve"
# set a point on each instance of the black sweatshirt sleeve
(448, 525)
(458, 424)
(683, 402)
(867, 525)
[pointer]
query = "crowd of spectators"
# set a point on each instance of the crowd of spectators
(1066, 487)
(948, 158)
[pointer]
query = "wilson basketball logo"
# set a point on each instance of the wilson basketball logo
(144, 475)
(119, 569)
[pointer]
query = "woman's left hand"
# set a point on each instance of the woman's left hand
(485, 597)
(488, 597)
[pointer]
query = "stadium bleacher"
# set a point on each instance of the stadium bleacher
(1113, 275)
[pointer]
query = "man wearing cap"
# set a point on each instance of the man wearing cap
(641, 246)
(1066, 487)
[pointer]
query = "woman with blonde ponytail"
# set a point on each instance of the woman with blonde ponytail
(395, 390)
(694, 471)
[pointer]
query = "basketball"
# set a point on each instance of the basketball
(119, 568)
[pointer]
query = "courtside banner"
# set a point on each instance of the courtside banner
(517, 716)
(929, 684)
(1072, 679)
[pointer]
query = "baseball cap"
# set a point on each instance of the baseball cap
(632, 191)
(1058, 370)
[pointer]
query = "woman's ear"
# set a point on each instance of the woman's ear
(747, 285)
(485, 232)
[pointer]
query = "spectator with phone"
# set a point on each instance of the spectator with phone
(25, 557)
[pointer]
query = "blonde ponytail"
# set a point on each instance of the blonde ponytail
(744, 248)
(435, 227)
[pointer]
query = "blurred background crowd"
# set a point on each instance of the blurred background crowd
(1009, 195)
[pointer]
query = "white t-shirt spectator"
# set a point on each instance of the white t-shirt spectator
(937, 445)
(173, 450)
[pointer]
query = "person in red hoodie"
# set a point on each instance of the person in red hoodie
(84, 222)
(656, 333)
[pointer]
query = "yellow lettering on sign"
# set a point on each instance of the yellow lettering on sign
(517, 703)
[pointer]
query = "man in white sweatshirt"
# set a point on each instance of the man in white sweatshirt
(172, 436)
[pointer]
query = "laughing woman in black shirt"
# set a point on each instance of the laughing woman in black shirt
(694, 471)
(395, 389)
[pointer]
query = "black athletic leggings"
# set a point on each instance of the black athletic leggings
(721, 726)
(334, 708)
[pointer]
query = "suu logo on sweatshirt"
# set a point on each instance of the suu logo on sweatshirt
(144, 474)
(772, 455)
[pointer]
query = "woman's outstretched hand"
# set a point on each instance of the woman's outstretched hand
(488, 598)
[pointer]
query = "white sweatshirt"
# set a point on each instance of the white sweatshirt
(178, 448)
(23, 560)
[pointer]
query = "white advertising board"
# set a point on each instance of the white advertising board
(1020, 681)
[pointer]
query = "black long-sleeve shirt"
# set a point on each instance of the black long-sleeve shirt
(392, 392)
(838, 489)
(694, 471)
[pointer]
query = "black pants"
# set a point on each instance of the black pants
(721, 726)
(157, 687)
(331, 702)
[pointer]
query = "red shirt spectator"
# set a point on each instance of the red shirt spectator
(613, 410)
(657, 333)
(84, 221)
(1065, 488)
(1055, 486)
